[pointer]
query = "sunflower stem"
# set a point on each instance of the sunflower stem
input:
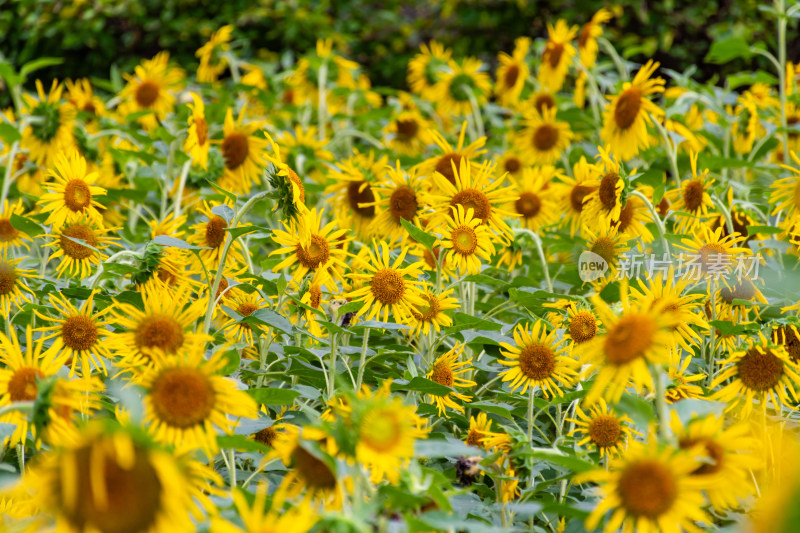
(713, 339)
(363, 361)
(7, 178)
(623, 72)
(232, 467)
(530, 415)
(21, 456)
(332, 371)
(181, 185)
(322, 77)
(780, 6)
(538, 241)
(661, 401)
(672, 151)
(659, 223)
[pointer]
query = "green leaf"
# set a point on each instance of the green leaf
(728, 50)
(37, 64)
(268, 317)
(9, 133)
(166, 240)
(373, 324)
(558, 457)
(505, 412)
(273, 396)
(26, 225)
(238, 231)
(639, 410)
(423, 385)
(422, 237)
(8, 73)
(451, 447)
(715, 162)
(766, 230)
(223, 211)
(726, 327)
(234, 359)
(241, 443)
(465, 321)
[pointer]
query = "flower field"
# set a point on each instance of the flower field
(554, 292)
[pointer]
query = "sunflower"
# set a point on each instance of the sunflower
(557, 56)
(461, 87)
(13, 284)
(539, 359)
(163, 327)
(572, 191)
(53, 133)
(603, 205)
(243, 151)
(587, 38)
(432, 313)
(467, 241)
(256, 518)
(763, 371)
(243, 305)
(187, 402)
(308, 150)
(212, 63)
(627, 116)
(512, 163)
(512, 73)
(9, 235)
(110, 479)
(691, 198)
(78, 333)
(786, 192)
(388, 287)
(211, 236)
(443, 164)
(608, 244)
(314, 298)
(446, 371)
(77, 259)
(425, 68)
(284, 178)
(478, 426)
(535, 205)
(648, 489)
(311, 247)
(351, 188)
(728, 453)
(582, 325)
(409, 133)
(400, 195)
(635, 337)
(196, 144)
(682, 386)
(633, 217)
(712, 255)
(742, 289)
(151, 88)
(544, 139)
(788, 336)
(72, 195)
(81, 95)
(477, 191)
(607, 431)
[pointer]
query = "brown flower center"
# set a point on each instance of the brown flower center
(22, 386)
(576, 196)
(605, 431)
(266, 436)
(537, 361)
(712, 254)
(585, 34)
(444, 167)
(528, 204)
(247, 308)
(182, 397)
(626, 216)
(202, 130)
(73, 249)
(146, 93)
(787, 335)
(388, 286)
(745, 290)
(442, 374)
(606, 248)
(553, 52)
(475, 199)
(713, 450)
(629, 339)
(511, 75)
(693, 195)
(79, 332)
(77, 195)
(312, 471)
(315, 294)
(215, 231)
(512, 165)
(544, 100)
(582, 327)
(647, 488)
(425, 313)
(8, 278)
(760, 371)
(7, 232)
(235, 149)
(406, 129)
(608, 191)
(159, 331)
(545, 137)
(403, 203)
(360, 192)
(315, 254)
(627, 108)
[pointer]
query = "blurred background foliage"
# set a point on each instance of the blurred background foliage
(91, 35)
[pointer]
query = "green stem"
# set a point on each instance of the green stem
(530, 415)
(672, 151)
(332, 372)
(21, 457)
(782, 21)
(363, 361)
(322, 103)
(7, 178)
(181, 185)
(661, 401)
(659, 223)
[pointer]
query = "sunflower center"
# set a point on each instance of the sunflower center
(712, 254)
(202, 130)
(266, 436)
(584, 35)
(760, 371)
(312, 471)
(403, 203)
(47, 127)
(714, 451)
(429, 311)
(73, 249)
(315, 254)
(8, 278)
(475, 199)
(544, 100)
(528, 204)
(235, 149)
(79, 332)
(537, 361)
(294, 178)
(7, 232)
(605, 248)
(182, 397)
(554, 53)
(247, 308)
(22, 386)
(582, 327)
(693, 195)
(109, 498)
(576, 196)
(788, 337)
(512, 165)
(388, 286)
(382, 430)
(360, 192)
(605, 431)
(146, 93)
(629, 339)
(545, 137)
(511, 75)
(215, 231)
(316, 296)
(444, 167)
(442, 374)
(473, 438)
(647, 488)
(407, 128)
(159, 331)
(608, 190)
(625, 216)
(745, 290)
(465, 240)
(77, 195)
(627, 109)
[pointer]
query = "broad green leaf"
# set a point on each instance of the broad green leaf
(727, 50)
(422, 237)
(37, 64)
(423, 385)
(272, 319)
(166, 240)
(223, 211)
(241, 443)
(560, 458)
(273, 396)
(26, 225)
(639, 410)
(9, 133)
(764, 230)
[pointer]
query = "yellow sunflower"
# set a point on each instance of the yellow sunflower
(557, 55)
(762, 371)
(603, 205)
(387, 287)
(786, 192)
(54, 132)
(197, 144)
(79, 333)
(285, 178)
(244, 305)
(432, 314)
(633, 217)
(607, 431)
(256, 518)
(409, 133)
(446, 370)
(308, 150)
(461, 87)
(512, 73)
(627, 115)
(682, 386)
(244, 153)
(212, 63)
(13, 284)
(691, 198)
(9, 235)
(81, 95)
(151, 88)
(478, 426)
(352, 193)
(443, 164)
(582, 325)
(400, 195)
(573, 191)
(608, 244)
(587, 38)
(425, 68)
(539, 359)
(789, 336)
(77, 259)
(211, 236)
(712, 255)
(72, 195)
(536, 205)
(467, 241)
(648, 489)
(544, 139)
(187, 402)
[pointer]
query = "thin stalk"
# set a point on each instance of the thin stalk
(181, 185)
(538, 241)
(659, 223)
(21, 457)
(672, 151)
(661, 401)
(232, 468)
(363, 360)
(530, 414)
(322, 110)
(7, 178)
(331, 377)
(782, 21)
